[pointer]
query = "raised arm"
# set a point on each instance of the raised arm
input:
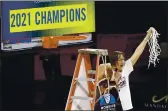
(141, 47)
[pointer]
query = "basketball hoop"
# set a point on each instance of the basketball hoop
(49, 42)
(52, 41)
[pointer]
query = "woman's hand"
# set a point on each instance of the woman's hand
(149, 33)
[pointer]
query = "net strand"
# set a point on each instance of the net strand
(154, 48)
(105, 71)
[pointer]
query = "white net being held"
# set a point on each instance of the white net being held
(154, 48)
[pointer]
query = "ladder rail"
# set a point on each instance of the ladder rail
(72, 91)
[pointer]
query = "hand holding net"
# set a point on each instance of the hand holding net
(154, 48)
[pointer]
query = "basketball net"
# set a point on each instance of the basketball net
(154, 48)
(106, 78)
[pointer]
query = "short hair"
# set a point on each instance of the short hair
(115, 56)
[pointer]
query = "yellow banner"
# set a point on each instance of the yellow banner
(53, 17)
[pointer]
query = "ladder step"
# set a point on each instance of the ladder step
(81, 98)
(94, 51)
(91, 71)
(84, 79)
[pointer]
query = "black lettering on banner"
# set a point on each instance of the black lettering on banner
(24, 18)
(13, 20)
(20, 19)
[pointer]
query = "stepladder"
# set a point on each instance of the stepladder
(82, 92)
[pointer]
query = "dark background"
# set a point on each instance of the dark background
(131, 17)
(19, 86)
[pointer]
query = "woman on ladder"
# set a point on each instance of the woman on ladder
(114, 87)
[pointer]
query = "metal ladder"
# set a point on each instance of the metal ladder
(89, 76)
